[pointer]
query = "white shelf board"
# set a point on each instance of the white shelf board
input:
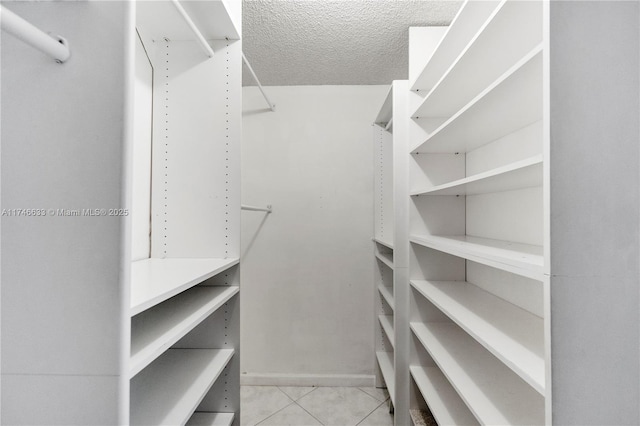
(513, 28)
(386, 293)
(510, 103)
(387, 326)
(493, 393)
(385, 258)
(157, 329)
(385, 361)
(521, 259)
(526, 173)
(156, 280)
(513, 335)
(443, 401)
(385, 243)
(469, 19)
(170, 389)
(386, 110)
(160, 19)
(211, 419)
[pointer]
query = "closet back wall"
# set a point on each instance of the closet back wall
(307, 270)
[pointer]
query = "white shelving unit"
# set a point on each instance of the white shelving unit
(156, 280)
(383, 242)
(444, 403)
(211, 419)
(171, 389)
(184, 296)
(476, 231)
(493, 395)
(512, 334)
(156, 330)
(138, 306)
(385, 362)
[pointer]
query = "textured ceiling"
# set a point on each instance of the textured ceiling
(315, 42)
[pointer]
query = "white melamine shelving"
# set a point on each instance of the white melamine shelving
(388, 244)
(216, 19)
(485, 58)
(385, 258)
(156, 330)
(385, 360)
(155, 280)
(211, 419)
(520, 174)
(443, 401)
(521, 259)
(170, 389)
(464, 26)
(494, 394)
(386, 294)
(513, 335)
(386, 110)
(510, 103)
(386, 321)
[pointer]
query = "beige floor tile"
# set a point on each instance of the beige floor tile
(341, 406)
(380, 394)
(259, 402)
(296, 392)
(292, 415)
(380, 417)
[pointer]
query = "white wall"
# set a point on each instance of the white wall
(63, 299)
(595, 208)
(307, 270)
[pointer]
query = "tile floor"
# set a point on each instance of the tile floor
(313, 406)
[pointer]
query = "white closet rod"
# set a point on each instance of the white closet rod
(257, 209)
(28, 33)
(203, 43)
(271, 106)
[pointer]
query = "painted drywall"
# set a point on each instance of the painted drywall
(62, 151)
(307, 268)
(595, 206)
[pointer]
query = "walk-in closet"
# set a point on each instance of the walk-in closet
(309, 212)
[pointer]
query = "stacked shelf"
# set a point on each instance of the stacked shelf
(156, 280)
(383, 237)
(190, 374)
(476, 228)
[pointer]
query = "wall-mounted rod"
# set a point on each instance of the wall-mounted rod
(389, 124)
(57, 48)
(266, 98)
(203, 43)
(257, 209)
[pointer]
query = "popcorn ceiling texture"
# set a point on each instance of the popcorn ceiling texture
(317, 42)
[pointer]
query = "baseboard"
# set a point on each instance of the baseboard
(275, 379)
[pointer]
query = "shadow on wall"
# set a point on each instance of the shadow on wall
(255, 112)
(244, 254)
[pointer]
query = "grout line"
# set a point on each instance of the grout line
(368, 415)
(273, 414)
(307, 411)
(366, 393)
(296, 400)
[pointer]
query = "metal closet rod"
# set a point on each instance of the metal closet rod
(257, 209)
(203, 43)
(23, 30)
(272, 107)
